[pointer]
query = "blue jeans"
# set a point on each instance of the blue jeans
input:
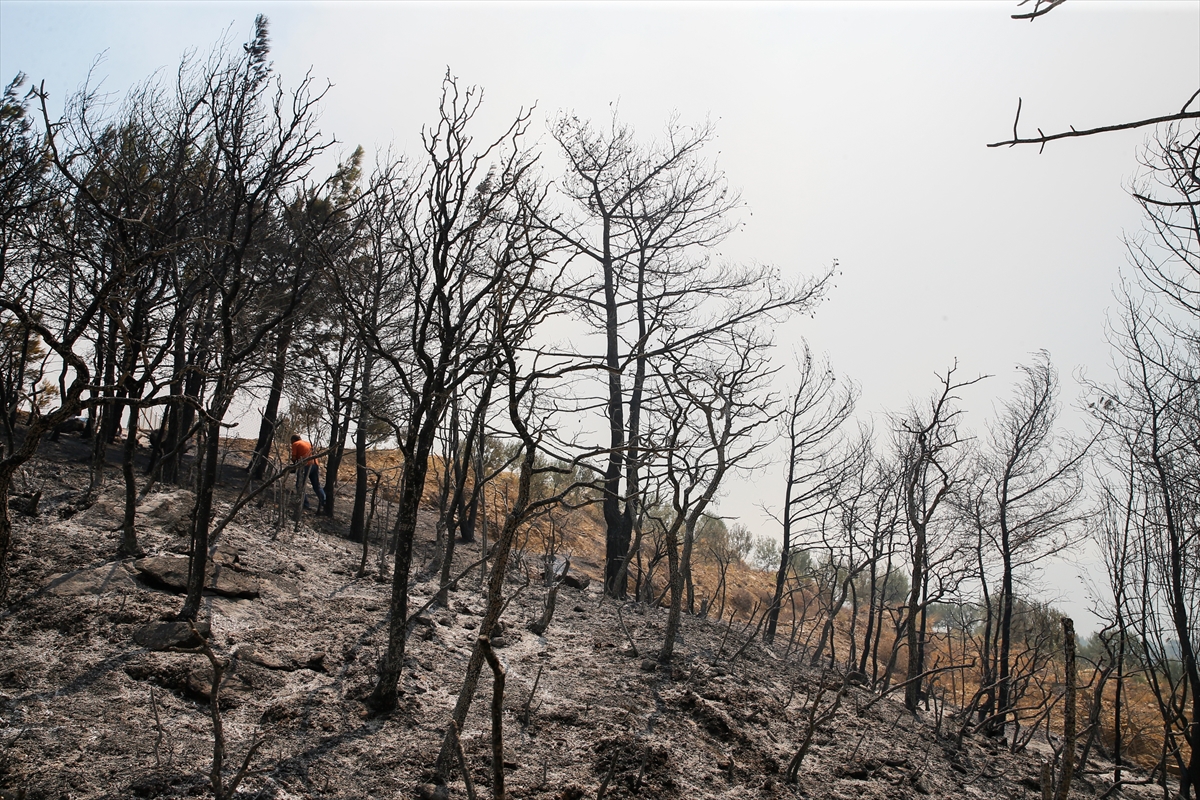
(313, 473)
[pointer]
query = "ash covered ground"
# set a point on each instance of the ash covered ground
(86, 711)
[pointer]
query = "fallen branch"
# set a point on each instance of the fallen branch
(245, 500)
(915, 679)
(411, 622)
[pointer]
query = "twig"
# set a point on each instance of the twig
(728, 628)
(412, 618)
(221, 791)
(1043, 138)
(815, 721)
(158, 727)
(244, 501)
(526, 711)
(621, 620)
(751, 637)
(857, 745)
(612, 768)
(1040, 8)
(462, 760)
(1124, 782)
(914, 679)
(542, 624)
(637, 782)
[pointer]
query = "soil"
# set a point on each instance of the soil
(88, 712)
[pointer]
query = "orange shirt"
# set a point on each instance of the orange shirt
(302, 451)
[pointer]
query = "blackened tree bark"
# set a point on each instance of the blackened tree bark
(261, 456)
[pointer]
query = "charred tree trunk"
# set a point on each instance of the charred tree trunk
(270, 418)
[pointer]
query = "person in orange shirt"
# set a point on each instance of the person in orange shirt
(310, 469)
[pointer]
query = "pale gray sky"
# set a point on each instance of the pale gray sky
(855, 131)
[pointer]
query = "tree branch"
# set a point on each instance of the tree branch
(1043, 138)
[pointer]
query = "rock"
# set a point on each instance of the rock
(227, 582)
(234, 689)
(165, 635)
(198, 683)
(283, 586)
(649, 665)
(72, 425)
(168, 509)
(576, 581)
(110, 578)
(256, 655)
(427, 791)
(106, 512)
(171, 572)
(253, 654)
(499, 641)
(26, 504)
(166, 572)
(225, 554)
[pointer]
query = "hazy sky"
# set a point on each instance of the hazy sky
(855, 132)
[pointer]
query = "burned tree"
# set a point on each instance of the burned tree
(1031, 476)
(646, 220)
(715, 403)
(810, 426)
(462, 240)
(931, 461)
(258, 152)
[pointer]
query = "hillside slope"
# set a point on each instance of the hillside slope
(88, 712)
